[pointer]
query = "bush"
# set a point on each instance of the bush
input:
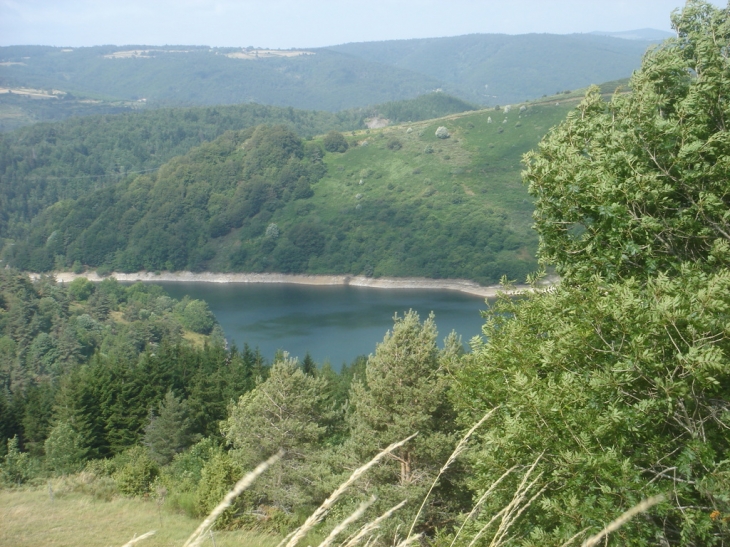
(64, 449)
(136, 472)
(218, 476)
(17, 467)
(394, 144)
(334, 141)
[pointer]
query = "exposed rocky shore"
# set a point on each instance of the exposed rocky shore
(460, 285)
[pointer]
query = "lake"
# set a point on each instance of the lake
(332, 323)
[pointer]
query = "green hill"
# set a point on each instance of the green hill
(45, 163)
(502, 69)
(398, 202)
(54, 83)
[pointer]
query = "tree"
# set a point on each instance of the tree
(619, 379)
(196, 316)
(334, 141)
(65, 450)
(169, 431)
(640, 184)
(290, 410)
(404, 392)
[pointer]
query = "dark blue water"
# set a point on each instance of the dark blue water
(334, 324)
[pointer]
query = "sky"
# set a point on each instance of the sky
(310, 23)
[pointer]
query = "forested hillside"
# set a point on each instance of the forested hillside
(46, 163)
(501, 69)
(489, 69)
(399, 201)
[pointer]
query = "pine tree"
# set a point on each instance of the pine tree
(169, 430)
(290, 410)
(404, 392)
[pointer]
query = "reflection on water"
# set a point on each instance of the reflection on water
(335, 323)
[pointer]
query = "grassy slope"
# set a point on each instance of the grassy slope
(29, 518)
(475, 173)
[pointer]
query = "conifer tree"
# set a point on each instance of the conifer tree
(290, 410)
(404, 392)
(169, 430)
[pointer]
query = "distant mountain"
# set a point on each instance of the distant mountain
(39, 83)
(501, 69)
(645, 34)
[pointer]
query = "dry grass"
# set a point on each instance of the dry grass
(28, 518)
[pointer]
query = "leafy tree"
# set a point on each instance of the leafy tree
(618, 379)
(80, 289)
(169, 431)
(639, 185)
(197, 317)
(334, 141)
(65, 450)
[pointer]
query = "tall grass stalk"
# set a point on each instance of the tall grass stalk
(322, 510)
(480, 501)
(455, 454)
(623, 519)
(337, 530)
(510, 512)
(371, 526)
(198, 536)
(138, 539)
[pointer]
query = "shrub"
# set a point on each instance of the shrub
(65, 449)
(442, 133)
(394, 144)
(136, 472)
(17, 467)
(334, 141)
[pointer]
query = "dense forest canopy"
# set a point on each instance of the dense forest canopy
(46, 163)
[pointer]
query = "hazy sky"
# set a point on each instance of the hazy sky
(310, 23)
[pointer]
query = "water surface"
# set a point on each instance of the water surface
(333, 323)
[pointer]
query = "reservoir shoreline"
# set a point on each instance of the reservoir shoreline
(460, 285)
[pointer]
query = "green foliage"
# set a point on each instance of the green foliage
(288, 411)
(404, 392)
(65, 449)
(639, 184)
(169, 431)
(196, 316)
(214, 208)
(618, 378)
(334, 141)
(80, 289)
(16, 467)
(135, 472)
(218, 476)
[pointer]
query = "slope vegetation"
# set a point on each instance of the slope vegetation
(398, 201)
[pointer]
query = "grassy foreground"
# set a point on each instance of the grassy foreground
(30, 518)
